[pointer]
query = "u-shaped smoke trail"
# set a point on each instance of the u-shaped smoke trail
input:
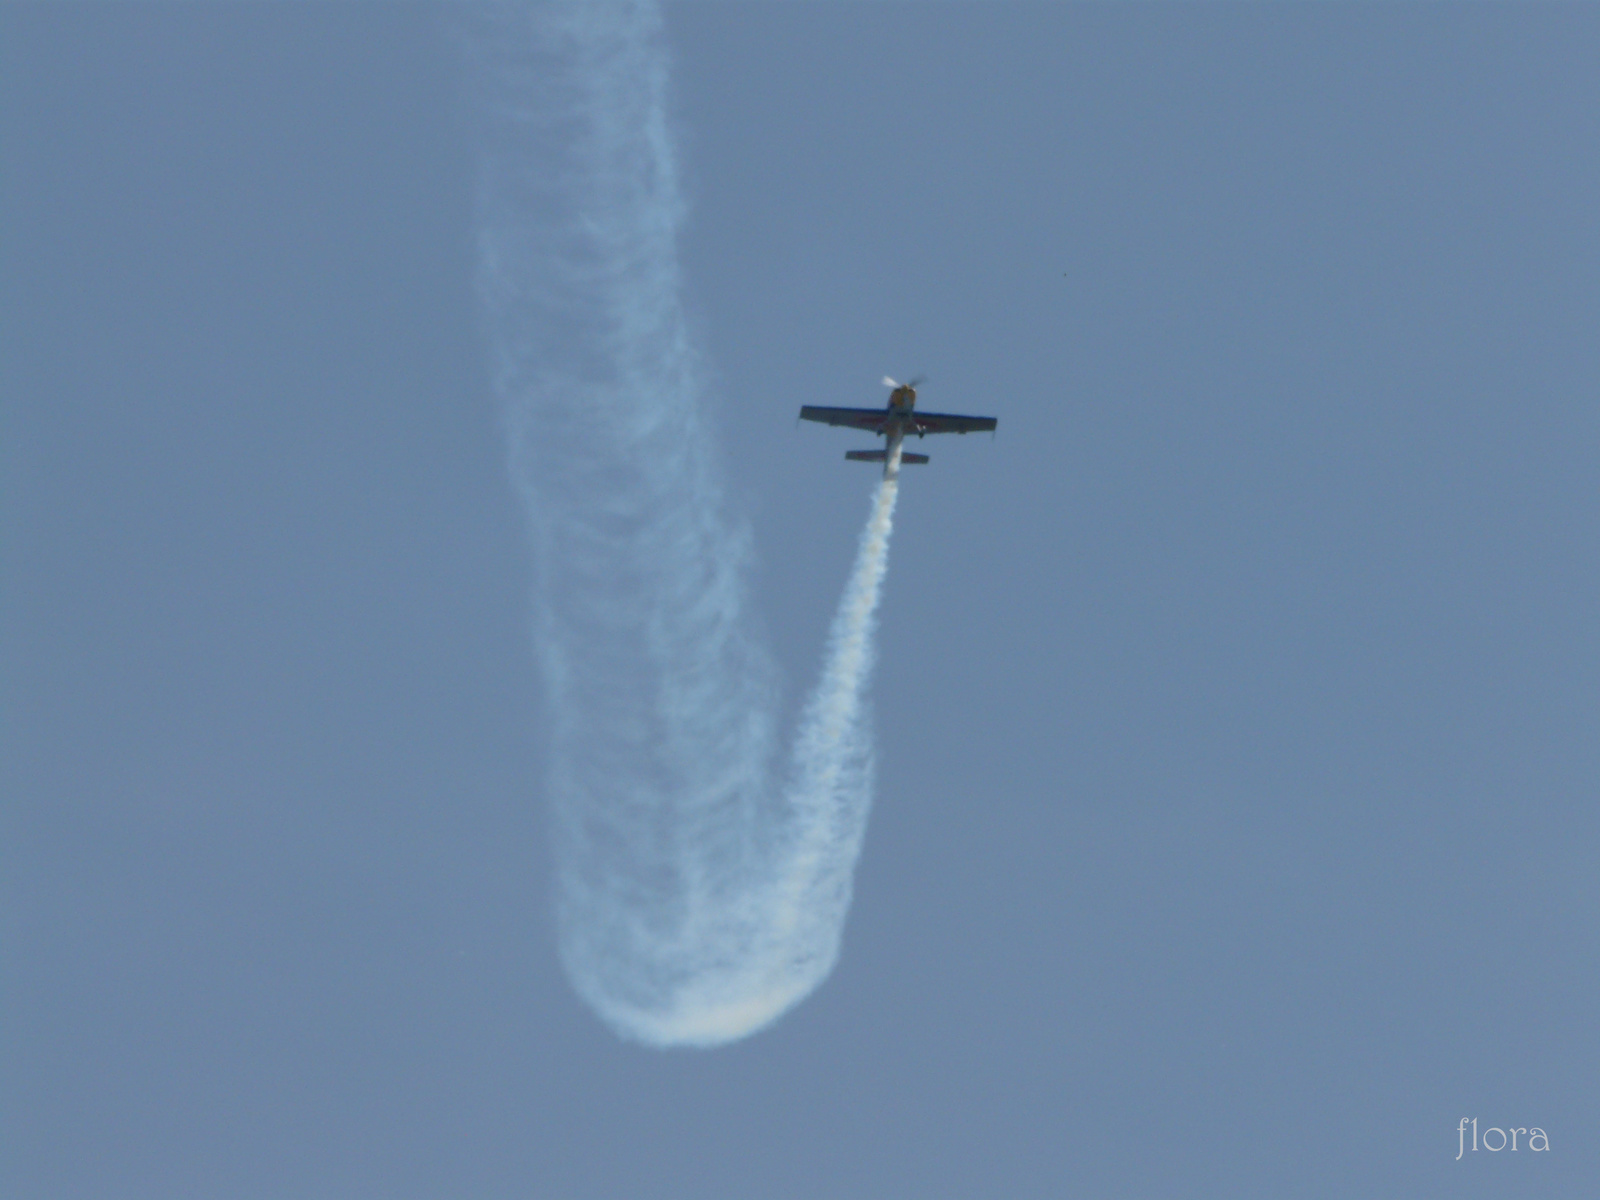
(698, 897)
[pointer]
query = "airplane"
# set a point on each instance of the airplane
(894, 422)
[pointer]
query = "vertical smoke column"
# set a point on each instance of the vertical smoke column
(697, 900)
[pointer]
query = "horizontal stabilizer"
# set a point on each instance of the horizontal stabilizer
(877, 456)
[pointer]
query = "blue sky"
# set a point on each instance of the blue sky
(1235, 829)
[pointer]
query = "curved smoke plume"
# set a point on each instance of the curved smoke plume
(700, 893)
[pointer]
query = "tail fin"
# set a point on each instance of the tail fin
(877, 456)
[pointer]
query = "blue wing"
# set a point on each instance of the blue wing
(871, 419)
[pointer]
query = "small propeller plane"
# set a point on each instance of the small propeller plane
(894, 422)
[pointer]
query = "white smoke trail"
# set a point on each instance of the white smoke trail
(698, 900)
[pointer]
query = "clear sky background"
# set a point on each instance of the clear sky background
(1238, 706)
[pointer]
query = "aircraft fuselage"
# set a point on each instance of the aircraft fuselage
(901, 403)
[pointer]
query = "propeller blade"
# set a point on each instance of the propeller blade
(889, 383)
